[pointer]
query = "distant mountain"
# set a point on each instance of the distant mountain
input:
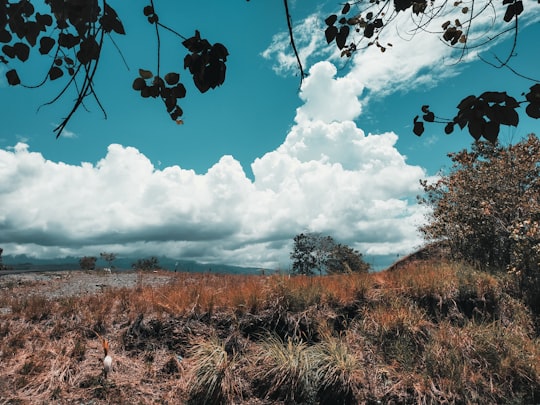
(24, 262)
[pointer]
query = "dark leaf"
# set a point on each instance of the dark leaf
(219, 51)
(58, 61)
(191, 44)
(429, 117)
(45, 45)
(44, 20)
(177, 113)
(67, 40)
(187, 61)
(179, 91)
(27, 8)
(507, 115)
(166, 92)
(148, 10)
(330, 20)
(533, 110)
(32, 31)
(457, 35)
(170, 103)
(330, 33)
(343, 20)
(425, 109)
(449, 128)
(476, 127)
(466, 103)
(378, 23)
(513, 10)
(111, 22)
(5, 36)
(13, 77)
(369, 16)
(402, 5)
(145, 74)
(419, 7)
(511, 102)
(9, 51)
(346, 8)
(55, 73)
(22, 51)
(532, 96)
(145, 92)
(341, 37)
(172, 78)
(462, 119)
(369, 30)
(154, 91)
(491, 131)
(139, 84)
(158, 81)
(519, 7)
(202, 85)
(418, 128)
(493, 96)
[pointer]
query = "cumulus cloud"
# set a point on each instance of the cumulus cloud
(327, 176)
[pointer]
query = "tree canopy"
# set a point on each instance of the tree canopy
(72, 33)
(312, 251)
(487, 208)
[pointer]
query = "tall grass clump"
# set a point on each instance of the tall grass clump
(212, 379)
(338, 371)
(284, 370)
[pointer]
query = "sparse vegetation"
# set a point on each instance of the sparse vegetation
(427, 332)
(88, 262)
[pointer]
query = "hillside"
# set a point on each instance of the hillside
(423, 333)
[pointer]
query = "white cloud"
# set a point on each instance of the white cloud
(327, 176)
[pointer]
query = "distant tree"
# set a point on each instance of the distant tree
(344, 259)
(108, 257)
(88, 262)
(1, 263)
(312, 251)
(487, 208)
(148, 264)
(303, 254)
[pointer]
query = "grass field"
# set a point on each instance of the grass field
(426, 333)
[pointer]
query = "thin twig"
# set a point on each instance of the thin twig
(293, 44)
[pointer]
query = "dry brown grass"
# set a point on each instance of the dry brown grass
(428, 333)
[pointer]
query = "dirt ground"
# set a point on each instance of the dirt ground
(58, 284)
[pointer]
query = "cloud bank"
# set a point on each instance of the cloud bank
(327, 176)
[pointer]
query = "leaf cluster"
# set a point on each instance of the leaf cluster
(168, 88)
(72, 33)
(206, 63)
(483, 115)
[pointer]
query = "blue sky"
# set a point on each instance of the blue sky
(258, 160)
